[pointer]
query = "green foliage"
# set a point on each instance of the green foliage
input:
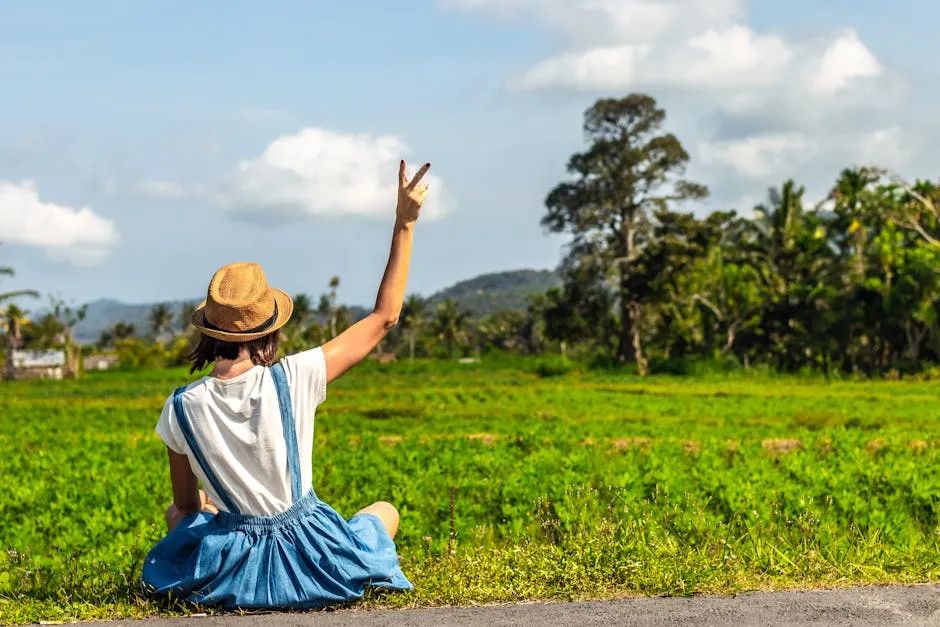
(136, 353)
(851, 285)
(512, 485)
(451, 326)
(552, 366)
(624, 184)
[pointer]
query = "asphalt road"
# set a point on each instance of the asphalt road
(873, 605)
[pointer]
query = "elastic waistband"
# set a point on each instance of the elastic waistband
(303, 506)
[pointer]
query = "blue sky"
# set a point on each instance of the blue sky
(145, 144)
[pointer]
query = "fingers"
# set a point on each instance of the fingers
(420, 173)
(402, 177)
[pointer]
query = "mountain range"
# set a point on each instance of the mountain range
(481, 295)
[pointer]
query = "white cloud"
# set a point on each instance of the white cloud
(686, 46)
(735, 55)
(761, 156)
(587, 23)
(734, 63)
(761, 105)
(886, 147)
(732, 57)
(314, 172)
(162, 189)
(845, 60)
(79, 236)
(599, 68)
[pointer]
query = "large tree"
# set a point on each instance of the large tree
(631, 169)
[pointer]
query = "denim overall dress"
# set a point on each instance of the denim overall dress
(306, 556)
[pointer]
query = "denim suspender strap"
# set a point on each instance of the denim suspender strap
(290, 432)
(196, 451)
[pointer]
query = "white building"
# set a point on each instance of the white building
(34, 364)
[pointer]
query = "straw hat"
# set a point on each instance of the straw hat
(240, 305)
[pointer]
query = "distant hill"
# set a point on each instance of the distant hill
(103, 313)
(487, 293)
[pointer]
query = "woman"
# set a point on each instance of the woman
(259, 537)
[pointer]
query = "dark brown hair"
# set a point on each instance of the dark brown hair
(263, 351)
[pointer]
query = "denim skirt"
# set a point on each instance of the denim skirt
(304, 557)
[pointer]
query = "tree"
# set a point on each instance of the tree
(8, 296)
(505, 330)
(630, 170)
(919, 209)
(791, 250)
(855, 217)
(160, 320)
(119, 331)
(303, 309)
(731, 292)
(13, 321)
(661, 276)
(67, 317)
(327, 306)
(450, 325)
(334, 285)
(413, 318)
(295, 334)
(14, 318)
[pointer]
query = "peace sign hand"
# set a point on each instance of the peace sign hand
(410, 194)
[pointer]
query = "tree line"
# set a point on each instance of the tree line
(656, 278)
(849, 283)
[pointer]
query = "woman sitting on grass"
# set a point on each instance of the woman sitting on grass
(259, 537)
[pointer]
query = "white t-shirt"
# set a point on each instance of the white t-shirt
(237, 425)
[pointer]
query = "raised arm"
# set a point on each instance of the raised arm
(355, 343)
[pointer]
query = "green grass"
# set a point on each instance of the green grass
(515, 480)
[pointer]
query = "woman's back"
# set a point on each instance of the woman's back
(247, 434)
(237, 425)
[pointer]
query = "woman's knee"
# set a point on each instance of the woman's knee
(391, 512)
(387, 513)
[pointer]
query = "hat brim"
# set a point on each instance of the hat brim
(285, 308)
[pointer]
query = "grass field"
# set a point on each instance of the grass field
(512, 485)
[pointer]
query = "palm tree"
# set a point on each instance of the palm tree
(919, 209)
(160, 319)
(6, 296)
(327, 305)
(68, 317)
(120, 330)
(413, 317)
(334, 284)
(450, 324)
(776, 226)
(13, 321)
(852, 219)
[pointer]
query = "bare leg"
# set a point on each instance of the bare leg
(386, 513)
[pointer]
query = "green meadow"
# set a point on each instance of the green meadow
(516, 479)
